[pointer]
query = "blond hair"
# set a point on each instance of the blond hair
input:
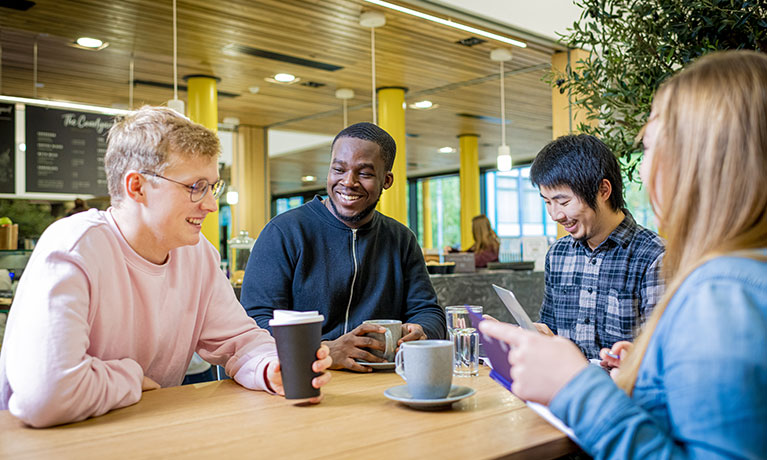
(484, 236)
(144, 140)
(710, 159)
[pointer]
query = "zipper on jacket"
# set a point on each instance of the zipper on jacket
(354, 278)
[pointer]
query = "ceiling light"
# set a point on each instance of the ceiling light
(91, 43)
(446, 150)
(254, 89)
(284, 77)
(308, 178)
(423, 105)
(504, 158)
(448, 22)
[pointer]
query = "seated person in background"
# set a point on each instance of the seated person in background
(603, 279)
(80, 206)
(115, 302)
(693, 386)
(342, 257)
(486, 242)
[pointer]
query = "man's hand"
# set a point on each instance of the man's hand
(274, 373)
(411, 331)
(148, 384)
(621, 350)
(348, 348)
(543, 329)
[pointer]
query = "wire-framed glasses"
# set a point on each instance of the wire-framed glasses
(197, 190)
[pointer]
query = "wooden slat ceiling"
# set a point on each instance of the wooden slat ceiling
(410, 52)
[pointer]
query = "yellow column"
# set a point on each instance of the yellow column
(469, 178)
(391, 118)
(566, 117)
(428, 242)
(250, 176)
(203, 109)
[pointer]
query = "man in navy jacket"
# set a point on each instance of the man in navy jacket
(343, 258)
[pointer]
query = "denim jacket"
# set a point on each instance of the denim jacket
(701, 391)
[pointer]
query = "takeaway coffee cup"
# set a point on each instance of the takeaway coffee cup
(427, 367)
(390, 338)
(298, 335)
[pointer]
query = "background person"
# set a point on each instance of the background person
(693, 384)
(603, 279)
(486, 242)
(342, 257)
(115, 302)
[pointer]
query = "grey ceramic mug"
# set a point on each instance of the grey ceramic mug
(427, 367)
(390, 338)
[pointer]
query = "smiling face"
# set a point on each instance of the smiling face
(588, 225)
(175, 220)
(356, 178)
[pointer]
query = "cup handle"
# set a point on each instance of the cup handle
(399, 364)
(390, 345)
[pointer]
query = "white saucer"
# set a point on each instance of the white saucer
(400, 393)
(382, 366)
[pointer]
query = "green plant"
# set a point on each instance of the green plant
(634, 45)
(31, 218)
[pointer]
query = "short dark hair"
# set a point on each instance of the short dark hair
(579, 162)
(370, 132)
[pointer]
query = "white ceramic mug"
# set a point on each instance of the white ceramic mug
(427, 367)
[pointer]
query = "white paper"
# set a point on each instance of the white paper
(515, 308)
(544, 412)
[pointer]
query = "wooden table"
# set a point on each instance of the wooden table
(355, 420)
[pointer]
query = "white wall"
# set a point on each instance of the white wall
(541, 17)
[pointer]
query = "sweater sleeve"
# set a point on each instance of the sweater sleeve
(51, 377)
(268, 280)
(422, 306)
(230, 338)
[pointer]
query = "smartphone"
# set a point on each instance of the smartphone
(497, 352)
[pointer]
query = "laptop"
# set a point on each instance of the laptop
(516, 310)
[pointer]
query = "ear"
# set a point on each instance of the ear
(388, 180)
(133, 186)
(605, 191)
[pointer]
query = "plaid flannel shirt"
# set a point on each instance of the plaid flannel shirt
(596, 298)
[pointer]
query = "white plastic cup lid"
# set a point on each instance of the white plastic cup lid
(290, 317)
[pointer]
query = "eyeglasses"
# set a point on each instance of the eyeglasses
(197, 190)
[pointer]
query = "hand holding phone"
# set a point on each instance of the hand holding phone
(497, 352)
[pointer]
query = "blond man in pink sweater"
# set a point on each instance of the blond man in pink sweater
(115, 302)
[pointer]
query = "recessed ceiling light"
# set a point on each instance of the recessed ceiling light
(421, 105)
(284, 77)
(91, 43)
(446, 150)
(308, 178)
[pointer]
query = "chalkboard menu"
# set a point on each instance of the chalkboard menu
(7, 149)
(65, 151)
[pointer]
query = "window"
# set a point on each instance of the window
(514, 205)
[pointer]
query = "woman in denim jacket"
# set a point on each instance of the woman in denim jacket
(694, 385)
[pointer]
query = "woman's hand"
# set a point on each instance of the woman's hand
(540, 365)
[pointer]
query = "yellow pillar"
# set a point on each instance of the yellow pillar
(391, 118)
(250, 177)
(428, 242)
(565, 116)
(203, 109)
(469, 178)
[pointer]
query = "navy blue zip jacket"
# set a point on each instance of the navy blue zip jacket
(306, 259)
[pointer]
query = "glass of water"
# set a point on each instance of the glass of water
(465, 339)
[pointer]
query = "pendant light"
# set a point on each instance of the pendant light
(175, 103)
(502, 55)
(345, 94)
(373, 19)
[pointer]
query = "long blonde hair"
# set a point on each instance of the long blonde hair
(709, 164)
(484, 236)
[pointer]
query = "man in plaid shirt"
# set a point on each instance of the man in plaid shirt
(603, 279)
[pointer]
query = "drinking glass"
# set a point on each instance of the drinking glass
(465, 339)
